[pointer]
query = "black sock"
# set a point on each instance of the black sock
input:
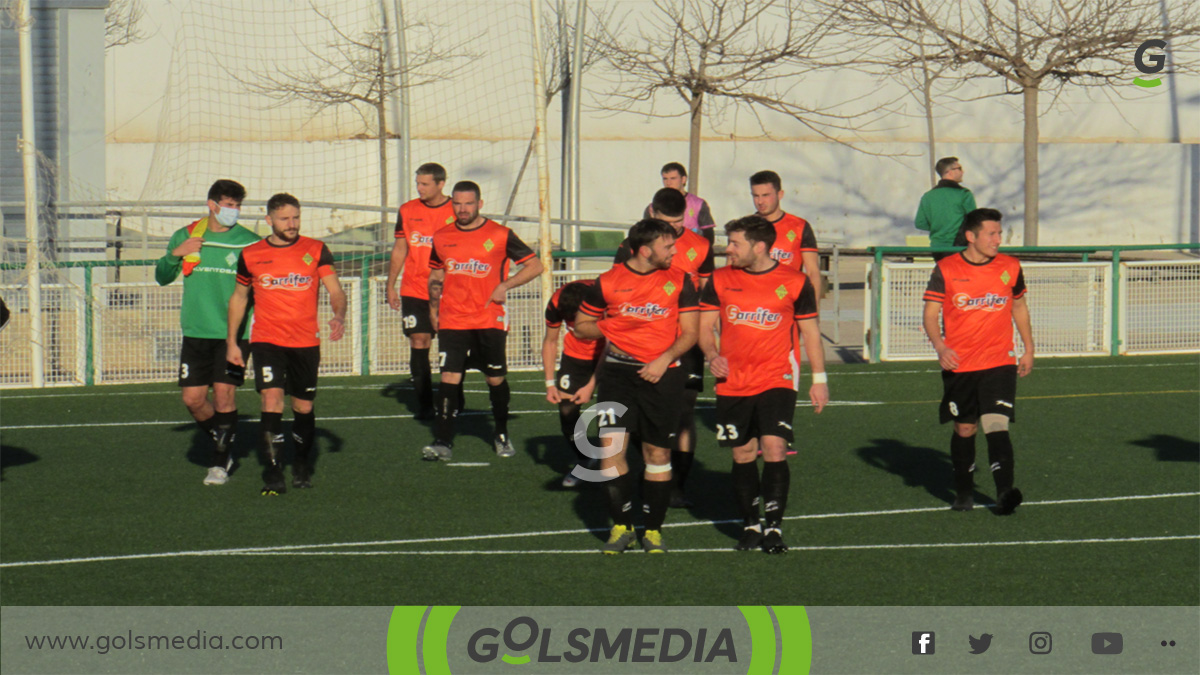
(224, 434)
(422, 377)
(746, 490)
(657, 497)
(500, 396)
(447, 409)
(1000, 455)
(568, 417)
(620, 500)
(271, 425)
(304, 428)
(208, 425)
(681, 466)
(962, 456)
(776, 480)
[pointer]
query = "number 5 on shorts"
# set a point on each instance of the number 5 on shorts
(267, 375)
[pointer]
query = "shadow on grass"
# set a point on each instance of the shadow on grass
(919, 467)
(11, 455)
(1171, 448)
(248, 443)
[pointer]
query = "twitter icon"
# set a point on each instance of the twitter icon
(980, 644)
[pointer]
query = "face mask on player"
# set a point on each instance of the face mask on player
(227, 217)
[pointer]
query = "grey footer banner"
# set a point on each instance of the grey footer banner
(356, 639)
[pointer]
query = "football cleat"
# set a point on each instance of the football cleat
(216, 476)
(751, 539)
(652, 542)
(772, 541)
(504, 447)
(435, 452)
(619, 539)
(963, 502)
(1008, 501)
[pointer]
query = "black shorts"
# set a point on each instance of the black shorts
(692, 363)
(292, 369)
(652, 408)
(743, 418)
(574, 373)
(968, 396)
(415, 316)
(202, 362)
(480, 348)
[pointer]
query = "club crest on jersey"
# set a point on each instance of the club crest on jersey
(648, 312)
(292, 282)
(418, 239)
(760, 318)
(471, 268)
(988, 303)
(691, 254)
(670, 287)
(308, 259)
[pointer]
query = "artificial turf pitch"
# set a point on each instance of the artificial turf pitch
(103, 486)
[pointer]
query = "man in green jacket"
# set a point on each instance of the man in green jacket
(206, 252)
(942, 209)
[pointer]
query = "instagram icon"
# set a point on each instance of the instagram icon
(1040, 643)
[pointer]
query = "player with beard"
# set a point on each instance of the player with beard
(282, 273)
(646, 309)
(759, 305)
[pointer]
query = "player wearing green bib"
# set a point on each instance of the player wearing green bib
(206, 253)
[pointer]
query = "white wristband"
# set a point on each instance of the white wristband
(550, 383)
(820, 378)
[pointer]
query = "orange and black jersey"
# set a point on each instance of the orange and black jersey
(587, 350)
(977, 301)
(693, 254)
(285, 284)
(793, 236)
(476, 261)
(639, 312)
(758, 311)
(416, 224)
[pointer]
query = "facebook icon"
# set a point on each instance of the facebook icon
(922, 643)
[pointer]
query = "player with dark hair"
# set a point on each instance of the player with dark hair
(696, 216)
(694, 255)
(206, 252)
(979, 294)
(471, 260)
(760, 306)
(942, 209)
(284, 273)
(646, 309)
(572, 386)
(416, 224)
(795, 243)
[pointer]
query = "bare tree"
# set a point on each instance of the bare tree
(357, 71)
(121, 19)
(718, 54)
(1030, 46)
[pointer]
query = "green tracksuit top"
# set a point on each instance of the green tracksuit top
(206, 291)
(941, 211)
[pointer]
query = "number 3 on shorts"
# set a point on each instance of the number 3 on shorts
(183, 371)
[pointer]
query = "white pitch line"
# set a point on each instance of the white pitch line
(846, 547)
(468, 464)
(545, 533)
(838, 373)
(466, 413)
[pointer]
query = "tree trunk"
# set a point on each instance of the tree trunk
(384, 221)
(927, 101)
(1031, 164)
(697, 118)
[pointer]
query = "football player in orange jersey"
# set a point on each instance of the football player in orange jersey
(285, 272)
(979, 294)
